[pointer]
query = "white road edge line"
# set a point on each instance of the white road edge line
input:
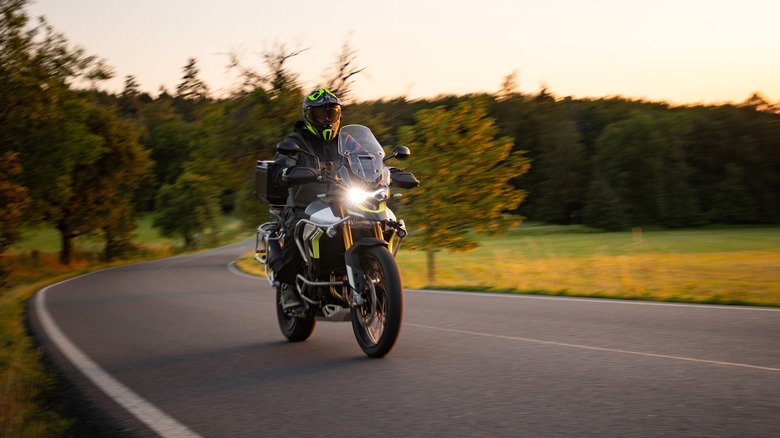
(587, 347)
(139, 407)
(595, 300)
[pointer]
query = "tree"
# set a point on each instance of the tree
(191, 86)
(342, 74)
(605, 209)
(557, 182)
(465, 174)
(167, 136)
(115, 177)
(191, 93)
(13, 201)
(44, 121)
(509, 87)
(187, 208)
(129, 100)
(278, 76)
(642, 159)
(735, 150)
(234, 134)
(98, 191)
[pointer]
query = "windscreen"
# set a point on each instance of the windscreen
(362, 152)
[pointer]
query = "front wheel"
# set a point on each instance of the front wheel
(294, 329)
(377, 320)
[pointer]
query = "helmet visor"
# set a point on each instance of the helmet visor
(323, 114)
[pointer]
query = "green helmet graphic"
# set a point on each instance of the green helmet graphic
(322, 113)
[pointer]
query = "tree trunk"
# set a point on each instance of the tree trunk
(115, 245)
(66, 252)
(431, 268)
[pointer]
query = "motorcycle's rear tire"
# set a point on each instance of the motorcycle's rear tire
(294, 329)
(380, 265)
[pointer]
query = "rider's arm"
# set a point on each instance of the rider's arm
(283, 160)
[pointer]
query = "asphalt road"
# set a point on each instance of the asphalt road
(185, 347)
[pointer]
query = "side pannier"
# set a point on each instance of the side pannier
(266, 189)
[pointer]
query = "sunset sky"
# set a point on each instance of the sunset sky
(681, 51)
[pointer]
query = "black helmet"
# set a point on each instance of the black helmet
(322, 113)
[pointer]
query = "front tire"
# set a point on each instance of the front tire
(377, 322)
(294, 329)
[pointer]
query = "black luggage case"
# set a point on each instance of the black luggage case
(266, 189)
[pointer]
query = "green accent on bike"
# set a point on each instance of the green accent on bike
(381, 208)
(315, 245)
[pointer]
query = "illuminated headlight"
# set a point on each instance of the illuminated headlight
(359, 196)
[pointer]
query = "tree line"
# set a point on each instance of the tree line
(85, 161)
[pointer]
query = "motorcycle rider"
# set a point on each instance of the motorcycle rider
(315, 136)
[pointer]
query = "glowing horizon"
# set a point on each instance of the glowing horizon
(681, 51)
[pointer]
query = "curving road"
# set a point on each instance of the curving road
(186, 346)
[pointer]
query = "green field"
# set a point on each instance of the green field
(709, 265)
(47, 239)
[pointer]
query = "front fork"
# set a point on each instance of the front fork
(354, 250)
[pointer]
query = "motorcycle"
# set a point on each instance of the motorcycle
(348, 240)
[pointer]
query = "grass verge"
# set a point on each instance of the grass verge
(28, 390)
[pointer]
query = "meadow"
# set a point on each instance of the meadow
(721, 265)
(707, 265)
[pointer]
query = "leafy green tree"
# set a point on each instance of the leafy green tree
(733, 201)
(61, 152)
(82, 163)
(114, 178)
(100, 186)
(465, 173)
(169, 138)
(187, 208)
(735, 149)
(605, 209)
(234, 134)
(13, 201)
(563, 171)
(557, 180)
(642, 159)
(43, 120)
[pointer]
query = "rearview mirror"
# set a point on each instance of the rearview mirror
(400, 152)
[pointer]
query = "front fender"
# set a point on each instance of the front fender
(352, 260)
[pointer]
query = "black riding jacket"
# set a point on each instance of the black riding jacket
(302, 195)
